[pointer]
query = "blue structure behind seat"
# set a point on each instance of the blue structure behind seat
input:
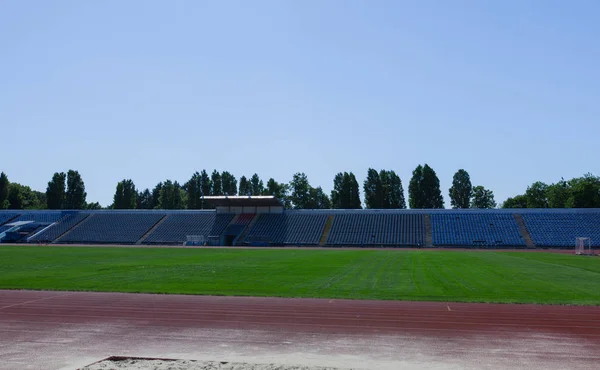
(60, 227)
(175, 228)
(373, 228)
(472, 228)
(43, 217)
(291, 228)
(560, 229)
(113, 227)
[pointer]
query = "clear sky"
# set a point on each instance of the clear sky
(155, 90)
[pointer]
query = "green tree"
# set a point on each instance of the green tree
(372, 189)
(300, 191)
(156, 196)
(244, 186)
(93, 206)
(518, 201)
(461, 190)
(56, 191)
(395, 196)
(217, 185)
(279, 191)
(144, 200)
(75, 195)
(125, 195)
(4, 190)
(345, 193)
(424, 189)
(482, 198)
(171, 196)
(256, 185)
(558, 194)
(318, 199)
(22, 197)
(229, 183)
(585, 192)
(536, 195)
(193, 189)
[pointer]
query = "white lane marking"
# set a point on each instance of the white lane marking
(448, 308)
(36, 300)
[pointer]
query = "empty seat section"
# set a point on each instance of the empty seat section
(377, 229)
(475, 229)
(6, 216)
(292, 228)
(560, 229)
(113, 227)
(43, 217)
(60, 227)
(176, 227)
(244, 218)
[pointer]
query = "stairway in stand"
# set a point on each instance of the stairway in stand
(428, 232)
(524, 232)
(326, 231)
(240, 239)
(151, 230)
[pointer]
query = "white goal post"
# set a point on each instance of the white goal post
(583, 246)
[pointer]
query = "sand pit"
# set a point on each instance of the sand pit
(154, 364)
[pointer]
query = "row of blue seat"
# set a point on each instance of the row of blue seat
(402, 228)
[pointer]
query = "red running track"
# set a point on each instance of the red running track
(67, 330)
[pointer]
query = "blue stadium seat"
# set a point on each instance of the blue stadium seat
(290, 228)
(372, 228)
(113, 227)
(479, 229)
(177, 226)
(560, 229)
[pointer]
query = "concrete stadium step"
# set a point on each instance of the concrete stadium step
(57, 240)
(326, 230)
(428, 232)
(524, 232)
(156, 225)
(240, 239)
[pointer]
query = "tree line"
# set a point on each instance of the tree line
(578, 192)
(381, 189)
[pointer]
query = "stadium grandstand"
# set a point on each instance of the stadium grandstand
(263, 221)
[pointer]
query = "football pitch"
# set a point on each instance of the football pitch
(453, 276)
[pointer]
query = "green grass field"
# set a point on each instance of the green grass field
(356, 274)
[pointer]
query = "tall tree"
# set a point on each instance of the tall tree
(229, 183)
(256, 185)
(22, 197)
(558, 194)
(518, 201)
(460, 192)
(536, 195)
(125, 195)
(395, 196)
(318, 199)
(171, 196)
(75, 195)
(372, 189)
(244, 186)
(156, 196)
(217, 186)
(193, 189)
(56, 191)
(345, 193)
(482, 198)
(424, 189)
(93, 206)
(4, 188)
(300, 191)
(144, 200)
(279, 191)
(585, 192)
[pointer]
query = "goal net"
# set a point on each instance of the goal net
(195, 240)
(583, 246)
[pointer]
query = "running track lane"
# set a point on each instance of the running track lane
(68, 329)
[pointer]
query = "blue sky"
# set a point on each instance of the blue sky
(155, 90)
